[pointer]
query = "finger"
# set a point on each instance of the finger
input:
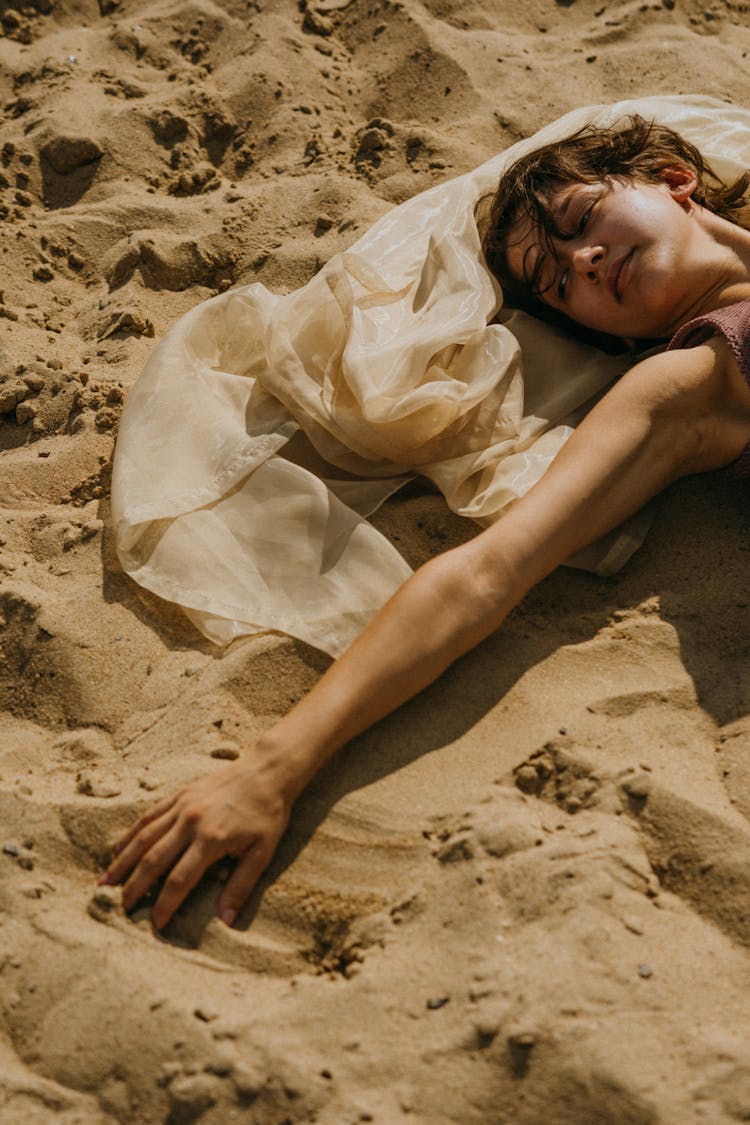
(185, 874)
(246, 874)
(155, 863)
(121, 867)
(144, 820)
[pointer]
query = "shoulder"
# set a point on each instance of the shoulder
(727, 331)
(702, 389)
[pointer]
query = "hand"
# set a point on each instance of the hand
(239, 810)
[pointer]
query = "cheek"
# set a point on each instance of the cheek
(643, 219)
(659, 266)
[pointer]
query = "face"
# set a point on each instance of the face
(630, 258)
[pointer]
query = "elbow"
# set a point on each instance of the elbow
(472, 587)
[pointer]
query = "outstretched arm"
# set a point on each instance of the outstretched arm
(664, 419)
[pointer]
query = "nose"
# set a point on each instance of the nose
(587, 261)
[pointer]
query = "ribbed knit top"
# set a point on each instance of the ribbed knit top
(733, 323)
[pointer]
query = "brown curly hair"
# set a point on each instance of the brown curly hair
(632, 148)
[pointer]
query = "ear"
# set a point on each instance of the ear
(681, 182)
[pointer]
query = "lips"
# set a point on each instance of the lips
(619, 275)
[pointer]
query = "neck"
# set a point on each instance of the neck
(726, 279)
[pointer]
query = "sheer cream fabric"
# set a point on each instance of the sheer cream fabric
(389, 362)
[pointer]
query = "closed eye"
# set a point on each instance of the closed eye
(536, 260)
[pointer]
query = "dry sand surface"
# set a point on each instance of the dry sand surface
(525, 898)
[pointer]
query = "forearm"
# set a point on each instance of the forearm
(440, 613)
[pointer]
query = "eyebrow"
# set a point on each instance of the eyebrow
(564, 207)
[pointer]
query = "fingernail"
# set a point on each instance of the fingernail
(104, 879)
(228, 916)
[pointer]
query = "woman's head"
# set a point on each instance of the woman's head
(531, 214)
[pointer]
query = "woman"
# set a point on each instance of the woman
(627, 233)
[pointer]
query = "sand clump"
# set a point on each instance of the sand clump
(523, 898)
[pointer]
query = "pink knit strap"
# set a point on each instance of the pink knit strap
(733, 323)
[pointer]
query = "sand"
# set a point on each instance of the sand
(524, 898)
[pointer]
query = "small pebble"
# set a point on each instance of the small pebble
(170, 1070)
(630, 922)
(645, 971)
(222, 1064)
(103, 904)
(487, 1027)
(520, 1046)
(456, 850)
(522, 1040)
(206, 1014)
(91, 786)
(191, 1096)
(225, 750)
(246, 1081)
(35, 891)
(527, 779)
(637, 786)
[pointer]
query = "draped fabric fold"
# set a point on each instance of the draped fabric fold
(391, 361)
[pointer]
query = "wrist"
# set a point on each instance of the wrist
(289, 766)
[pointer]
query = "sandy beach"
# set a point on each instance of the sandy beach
(523, 899)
